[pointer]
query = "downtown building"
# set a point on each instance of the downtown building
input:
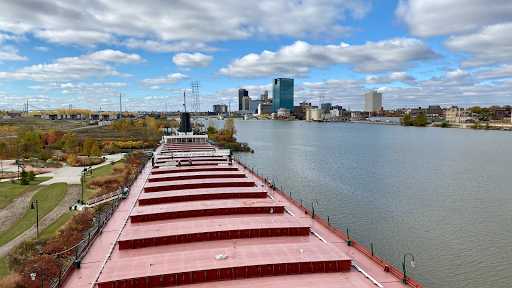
(372, 101)
(241, 94)
(282, 93)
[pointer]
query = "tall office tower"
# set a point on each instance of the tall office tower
(241, 94)
(282, 93)
(246, 103)
(372, 101)
(264, 96)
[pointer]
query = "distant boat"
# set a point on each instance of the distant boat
(220, 117)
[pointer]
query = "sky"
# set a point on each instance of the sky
(416, 52)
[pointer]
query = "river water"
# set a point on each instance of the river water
(443, 195)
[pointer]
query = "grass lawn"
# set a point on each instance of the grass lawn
(9, 191)
(4, 269)
(48, 198)
(96, 172)
(52, 228)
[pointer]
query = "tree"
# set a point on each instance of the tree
(420, 120)
(70, 142)
(95, 151)
(407, 120)
(89, 143)
(24, 177)
(211, 130)
(475, 109)
(31, 175)
(229, 130)
(28, 141)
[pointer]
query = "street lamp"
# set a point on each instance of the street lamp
(33, 274)
(403, 266)
(313, 206)
(37, 215)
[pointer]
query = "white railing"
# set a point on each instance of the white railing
(103, 197)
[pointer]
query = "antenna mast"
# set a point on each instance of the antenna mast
(184, 102)
(196, 104)
(120, 108)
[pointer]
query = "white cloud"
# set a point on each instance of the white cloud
(183, 69)
(181, 20)
(15, 27)
(8, 52)
(384, 79)
(115, 56)
(504, 71)
(456, 74)
(296, 60)
(70, 36)
(75, 68)
(54, 86)
(41, 48)
(194, 60)
(170, 79)
(164, 47)
(489, 46)
(431, 18)
(4, 37)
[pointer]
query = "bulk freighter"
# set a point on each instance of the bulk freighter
(195, 216)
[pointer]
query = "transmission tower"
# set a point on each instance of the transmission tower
(196, 104)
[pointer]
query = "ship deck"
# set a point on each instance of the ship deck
(183, 225)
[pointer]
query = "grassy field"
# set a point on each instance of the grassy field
(9, 191)
(52, 228)
(48, 198)
(97, 172)
(4, 269)
(38, 123)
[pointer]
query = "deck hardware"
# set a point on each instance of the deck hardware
(313, 206)
(404, 280)
(348, 239)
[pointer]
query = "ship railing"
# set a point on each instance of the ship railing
(387, 267)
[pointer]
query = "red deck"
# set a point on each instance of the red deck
(199, 163)
(200, 218)
(167, 170)
(201, 266)
(201, 195)
(210, 230)
(204, 208)
(196, 175)
(197, 184)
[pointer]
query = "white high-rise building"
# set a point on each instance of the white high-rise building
(372, 101)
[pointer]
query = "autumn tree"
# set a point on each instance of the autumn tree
(70, 141)
(95, 150)
(28, 141)
(420, 120)
(229, 130)
(88, 145)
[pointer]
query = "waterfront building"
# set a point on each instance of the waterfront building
(282, 93)
(264, 109)
(241, 94)
(501, 113)
(264, 96)
(454, 114)
(220, 108)
(283, 112)
(313, 114)
(325, 106)
(246, 103)
(372, 101)
(253, 105)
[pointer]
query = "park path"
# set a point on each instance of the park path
(17, 208)
(70, 199)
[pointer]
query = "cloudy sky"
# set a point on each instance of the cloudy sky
(416, 52)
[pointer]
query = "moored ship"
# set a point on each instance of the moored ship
(196, 216)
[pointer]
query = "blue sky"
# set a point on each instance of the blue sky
(416, 52)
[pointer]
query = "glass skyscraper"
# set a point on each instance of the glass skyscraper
(282, 94)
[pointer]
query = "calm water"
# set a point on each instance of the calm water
(443, 195)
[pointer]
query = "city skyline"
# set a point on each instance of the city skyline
(415, 53)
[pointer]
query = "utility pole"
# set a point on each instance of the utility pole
(27, 110)
(120, 108)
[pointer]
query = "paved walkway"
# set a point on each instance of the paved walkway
(16, 209)
(70, 198)
(71, 175)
